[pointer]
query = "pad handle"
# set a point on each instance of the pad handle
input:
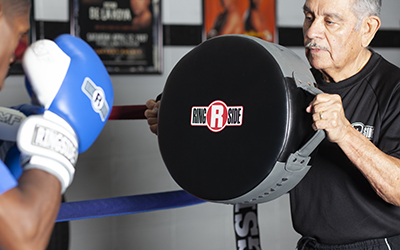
(301, 157)
(306, 83)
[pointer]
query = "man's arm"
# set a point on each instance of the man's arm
(380, 169)
(28, 211)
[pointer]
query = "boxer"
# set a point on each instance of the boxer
(29, 205)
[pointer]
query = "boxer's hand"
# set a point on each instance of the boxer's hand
(68, 79)
(328, 114)
(152, 114)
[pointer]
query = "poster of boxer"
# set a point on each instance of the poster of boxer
(250, 17)
(126, 34)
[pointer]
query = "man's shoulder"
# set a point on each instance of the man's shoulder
(384, 79)
(383, 72)
(384, 65)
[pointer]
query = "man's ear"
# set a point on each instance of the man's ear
(370, 26)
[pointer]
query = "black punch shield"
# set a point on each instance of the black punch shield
(272, 123)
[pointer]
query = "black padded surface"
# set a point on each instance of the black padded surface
(226, 164)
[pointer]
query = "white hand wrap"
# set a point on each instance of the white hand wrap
(49, 143)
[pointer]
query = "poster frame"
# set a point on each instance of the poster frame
(126, 65)
(267, 10)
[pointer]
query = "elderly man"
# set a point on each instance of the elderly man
(350, 198)
(352, 193)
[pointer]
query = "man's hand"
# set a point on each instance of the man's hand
(152, 114)
(381, 170)
(328, 114)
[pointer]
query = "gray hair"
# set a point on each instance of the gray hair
(365, 8)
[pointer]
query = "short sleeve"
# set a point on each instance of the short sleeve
(7, 180)
(389, 139)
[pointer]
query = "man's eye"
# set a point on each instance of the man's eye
(309, 17)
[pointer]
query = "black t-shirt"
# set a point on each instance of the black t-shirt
(335, 203)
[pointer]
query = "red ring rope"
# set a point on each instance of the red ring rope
(128, 112)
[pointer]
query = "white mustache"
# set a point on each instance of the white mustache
(315, 45)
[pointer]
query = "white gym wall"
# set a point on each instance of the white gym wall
(125, 159)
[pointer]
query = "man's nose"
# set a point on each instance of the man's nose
(315, 30)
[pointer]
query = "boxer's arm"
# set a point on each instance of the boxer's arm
(19, 226)
(28, 211)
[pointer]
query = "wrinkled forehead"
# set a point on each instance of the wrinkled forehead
(338, 9)
(337, 5)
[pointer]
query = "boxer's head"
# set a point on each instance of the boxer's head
(255, 3)
(337, 34)
(226, 4)
(14, 23)
(139, 6)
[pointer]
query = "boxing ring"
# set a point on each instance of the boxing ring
(134, 204)
(272, 145)
(124, 205)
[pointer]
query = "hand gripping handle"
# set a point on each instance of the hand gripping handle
(300, 158)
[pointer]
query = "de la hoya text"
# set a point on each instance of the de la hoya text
(109, 12)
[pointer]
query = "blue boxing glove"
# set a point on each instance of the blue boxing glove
(69, 80)
(28, 109)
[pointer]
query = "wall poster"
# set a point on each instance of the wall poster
(251, 17)
(126, 34)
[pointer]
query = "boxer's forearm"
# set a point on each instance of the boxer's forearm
(28, 212)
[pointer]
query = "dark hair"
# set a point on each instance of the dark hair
(13, 8)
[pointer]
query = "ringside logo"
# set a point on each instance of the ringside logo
(217, 116)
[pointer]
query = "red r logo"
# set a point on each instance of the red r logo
(217, 116)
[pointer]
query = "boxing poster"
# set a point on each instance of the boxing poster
(250, 17)
(126, 34)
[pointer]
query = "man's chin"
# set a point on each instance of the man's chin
(316, 63)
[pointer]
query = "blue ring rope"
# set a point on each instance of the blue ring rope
(89, 209)
(78, 210)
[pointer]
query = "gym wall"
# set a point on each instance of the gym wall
(125, 159)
